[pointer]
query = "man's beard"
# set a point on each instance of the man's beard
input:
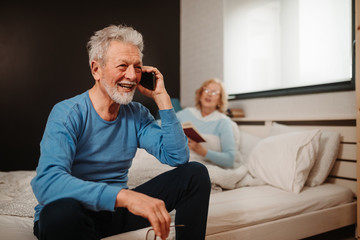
(122, 98)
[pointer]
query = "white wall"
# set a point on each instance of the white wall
(338, 105)
(201, 45)
(201, 57)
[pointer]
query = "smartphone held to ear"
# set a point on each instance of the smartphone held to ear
(148, 80)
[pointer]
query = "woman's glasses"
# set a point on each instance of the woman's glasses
(211, 92)
(150, 234)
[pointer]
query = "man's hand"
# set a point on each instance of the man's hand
(150, 208)
(159, 94)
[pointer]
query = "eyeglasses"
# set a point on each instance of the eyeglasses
(212, 93)
(150, 234)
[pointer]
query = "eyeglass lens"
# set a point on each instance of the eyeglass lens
(213, 93)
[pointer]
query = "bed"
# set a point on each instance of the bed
(342, 173)
(248, 202)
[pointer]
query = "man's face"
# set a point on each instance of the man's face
(121, 72)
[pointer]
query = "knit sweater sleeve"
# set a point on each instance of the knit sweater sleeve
(167, 142)
(226, 157)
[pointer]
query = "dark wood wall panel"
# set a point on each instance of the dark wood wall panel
(43, 60)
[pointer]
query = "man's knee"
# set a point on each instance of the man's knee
(198, 168)
(61, 208)
(62, 216)
(199, 172)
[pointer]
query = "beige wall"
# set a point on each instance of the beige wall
(338, 105)
(201, 57)
(201, 45)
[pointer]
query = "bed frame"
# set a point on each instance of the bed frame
(345, 172)
(313, 223)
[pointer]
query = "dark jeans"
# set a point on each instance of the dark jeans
(185, 188)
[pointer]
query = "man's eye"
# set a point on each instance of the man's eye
(122, 66)
(138, 69)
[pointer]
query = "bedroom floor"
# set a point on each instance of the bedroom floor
(346, 233)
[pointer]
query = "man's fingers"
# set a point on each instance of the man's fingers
(162, 225)
(160, 221)
(151, 208)
(166, 220)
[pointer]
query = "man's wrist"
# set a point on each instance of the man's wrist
(120, 198)
(163, 101)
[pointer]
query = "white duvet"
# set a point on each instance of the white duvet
(17, 198)
(145, 166)
(221, 178)
(228, 209)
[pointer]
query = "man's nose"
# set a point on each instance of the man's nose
(130, 73)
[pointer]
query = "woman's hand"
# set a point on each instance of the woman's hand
(197, 147)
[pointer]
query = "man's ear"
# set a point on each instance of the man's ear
(96, 70)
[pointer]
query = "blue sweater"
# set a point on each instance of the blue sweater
(218, 125)
(87, 158)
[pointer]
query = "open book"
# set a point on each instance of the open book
(191, 132)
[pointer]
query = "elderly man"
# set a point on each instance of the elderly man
(88, 146)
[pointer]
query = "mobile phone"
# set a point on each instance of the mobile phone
(148, 80)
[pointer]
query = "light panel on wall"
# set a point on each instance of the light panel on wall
(279, 44)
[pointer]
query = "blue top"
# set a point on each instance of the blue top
(217, 125)
(87, 158)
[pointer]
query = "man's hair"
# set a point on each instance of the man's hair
(100, 41)
(222, 106)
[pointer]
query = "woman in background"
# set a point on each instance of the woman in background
(209, 119)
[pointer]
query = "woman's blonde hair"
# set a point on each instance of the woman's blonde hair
(223, 103)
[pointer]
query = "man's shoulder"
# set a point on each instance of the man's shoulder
(72, 106)
(135, 106)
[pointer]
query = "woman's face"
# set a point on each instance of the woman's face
(210, 96)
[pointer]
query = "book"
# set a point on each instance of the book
(191, 132)
(235, 113)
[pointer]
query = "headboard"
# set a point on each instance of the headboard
(344, 170)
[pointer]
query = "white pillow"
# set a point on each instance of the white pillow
(247, 142)
(144, 167)
(285, 160)
(244, 143)
(236, 133)
(328, 151)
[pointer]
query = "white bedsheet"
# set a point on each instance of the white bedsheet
(221, 179)
(252, 205)
(16, 228)
(228, 209)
